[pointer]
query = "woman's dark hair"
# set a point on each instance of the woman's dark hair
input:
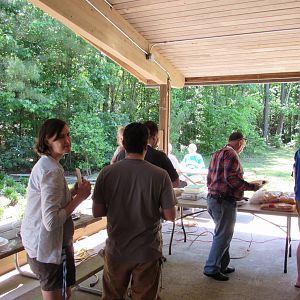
(135, 138)
(49, 129)
(152, 127)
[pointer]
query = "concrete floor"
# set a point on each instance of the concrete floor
(257, 252)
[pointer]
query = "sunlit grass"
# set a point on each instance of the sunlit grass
(274, 165)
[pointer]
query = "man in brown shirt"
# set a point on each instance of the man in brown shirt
(134, 195)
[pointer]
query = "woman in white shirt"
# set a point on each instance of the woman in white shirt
(47, 228)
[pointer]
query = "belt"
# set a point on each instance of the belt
(214, 196)
(219, 197)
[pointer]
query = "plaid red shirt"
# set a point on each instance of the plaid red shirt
(225, 175)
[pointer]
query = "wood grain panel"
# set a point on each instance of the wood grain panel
(211, 9)
(203, 37)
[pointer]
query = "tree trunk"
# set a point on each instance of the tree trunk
(266, 111)
(281, 115)
(106, 99)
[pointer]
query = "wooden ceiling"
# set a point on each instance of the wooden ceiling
(191, 41)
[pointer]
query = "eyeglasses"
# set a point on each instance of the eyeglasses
(243, 139)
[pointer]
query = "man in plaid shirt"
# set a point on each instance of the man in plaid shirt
(225, 186)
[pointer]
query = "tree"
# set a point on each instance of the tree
(89, 141)
(281, 115)
(266, 112)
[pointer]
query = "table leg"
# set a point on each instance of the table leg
(287, 243)
(171, 239)
(182, 225)
(290, 233)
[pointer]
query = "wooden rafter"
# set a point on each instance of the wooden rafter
(106, 30)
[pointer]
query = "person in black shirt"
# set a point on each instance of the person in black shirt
(156, 157)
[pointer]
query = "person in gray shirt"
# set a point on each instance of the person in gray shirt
(134, 195)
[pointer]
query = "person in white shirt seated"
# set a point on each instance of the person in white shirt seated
(192, 166)
(173, 158)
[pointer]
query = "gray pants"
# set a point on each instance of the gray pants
(223, 213)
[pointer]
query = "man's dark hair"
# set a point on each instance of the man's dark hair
(135, 138)
(235, 136)
(50, 128)
(152, 127)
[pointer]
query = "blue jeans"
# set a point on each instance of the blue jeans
(223, 214)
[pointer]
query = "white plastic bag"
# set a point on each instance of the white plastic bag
(258, 197)
(263, 196)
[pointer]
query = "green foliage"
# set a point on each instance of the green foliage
(47, 71)
(275, 140)
(20, 189)
(207, 115)
(9, 182)
(297, 141)
(89, 141)
(11, 189)
(24, 181)
(17, 154)
(11, 194)
(1, 212)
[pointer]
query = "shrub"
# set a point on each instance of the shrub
(12, 195)
(1, 212)
(21, 189)
(275, 140)
(24, 181)
(17, 153)
(9, 181)
(2, 176)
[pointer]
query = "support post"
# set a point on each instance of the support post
(164, 116)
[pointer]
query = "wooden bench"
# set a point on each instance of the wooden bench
(15, 256)
(87, 269)
(84, 270)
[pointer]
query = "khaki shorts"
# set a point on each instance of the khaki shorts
(51, 275)
(144, 282)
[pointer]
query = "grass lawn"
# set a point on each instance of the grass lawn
(274, 165)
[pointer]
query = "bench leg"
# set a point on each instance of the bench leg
(23, 273)
(90, 289)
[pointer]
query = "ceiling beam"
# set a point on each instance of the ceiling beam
(238, 79)
(93, 20)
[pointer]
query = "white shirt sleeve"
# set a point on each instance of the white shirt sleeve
(52, 199)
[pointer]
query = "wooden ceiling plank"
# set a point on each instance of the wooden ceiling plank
(221, 33)
(219, 64)
(183, 49)
(229, 67)
(201, 7)
(285, 41)
(146, 4)
(223, 56)
(228, 8)
(240, 68)
(287, 14)
(243, 26)
(231, 51)
(90, 24)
